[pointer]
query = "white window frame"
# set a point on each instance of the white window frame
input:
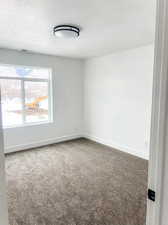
(23, 79)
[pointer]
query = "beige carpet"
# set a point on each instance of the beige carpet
(76, 183)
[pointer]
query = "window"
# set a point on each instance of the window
(25, 95)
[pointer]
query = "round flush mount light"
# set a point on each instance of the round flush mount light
(66, 31)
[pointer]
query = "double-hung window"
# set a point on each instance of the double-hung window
(25, 95)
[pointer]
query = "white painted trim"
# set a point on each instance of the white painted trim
(3, 195)
(21, 147)
(159, 119)
(33, 79)
(116, 146)
(25, 66)
(25, 79)
(29, 125)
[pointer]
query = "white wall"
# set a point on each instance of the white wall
(67, 105)
(117, 100)
(114, 91)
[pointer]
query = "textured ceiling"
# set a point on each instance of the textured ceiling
(106, 25)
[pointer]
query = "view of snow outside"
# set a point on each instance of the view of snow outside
(36, 101)
(11, 102)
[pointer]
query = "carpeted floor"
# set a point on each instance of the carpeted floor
(76, 183)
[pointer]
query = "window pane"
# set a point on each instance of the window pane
(36, 101)
(27, 72)
(11, 102)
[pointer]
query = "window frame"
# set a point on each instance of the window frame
(23, 80)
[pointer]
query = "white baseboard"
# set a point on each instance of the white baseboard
(117, 146)
(21, 147)
(126, 149)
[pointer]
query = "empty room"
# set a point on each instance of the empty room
(76, 82)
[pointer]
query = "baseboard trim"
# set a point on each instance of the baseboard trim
(117, 146)
(17, 148)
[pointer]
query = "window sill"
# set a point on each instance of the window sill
(28, 125)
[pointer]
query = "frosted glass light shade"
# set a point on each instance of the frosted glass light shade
(66, 31)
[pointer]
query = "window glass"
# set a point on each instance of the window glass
(36, 101)
(11, 102)
(25, 95)
(24, 72)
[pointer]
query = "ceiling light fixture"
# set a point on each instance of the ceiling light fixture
(66, 31)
